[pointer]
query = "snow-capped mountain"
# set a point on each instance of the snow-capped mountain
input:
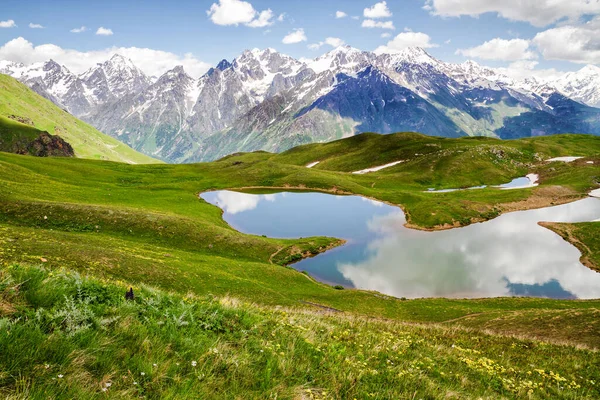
(112, 80)
(582, 85)
(267, 100)
(80, 94)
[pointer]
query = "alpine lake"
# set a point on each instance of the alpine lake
(510, 255)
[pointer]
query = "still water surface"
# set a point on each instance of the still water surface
(509, 256)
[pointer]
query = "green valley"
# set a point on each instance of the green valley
(216, 313)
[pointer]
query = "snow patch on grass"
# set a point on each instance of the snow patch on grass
(378, 168)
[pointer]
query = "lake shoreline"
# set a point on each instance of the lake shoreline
(549, 196)
(563, 230)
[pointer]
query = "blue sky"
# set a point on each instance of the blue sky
(543, 35)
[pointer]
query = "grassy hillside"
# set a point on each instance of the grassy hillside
(64, 336)
(145, 225)
(15, 135)
(18, 100)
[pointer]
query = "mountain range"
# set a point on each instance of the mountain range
(265, 100)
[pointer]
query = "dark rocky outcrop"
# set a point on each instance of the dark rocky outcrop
(47, 145)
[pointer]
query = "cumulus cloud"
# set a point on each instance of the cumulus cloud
(536, 12)
(264, 19)
(152, 62)
(405, 40)
(369, 23)
(575, 43)
(8, 24)
(330, 41)
(236, 12)
(527, 68)
(102, 31)
(296, 36)
(500, 49)
(79, 30)
(379, 10)
(35, 26)
(340, 14)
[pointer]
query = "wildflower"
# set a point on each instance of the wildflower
(194, 363)
(154, 365)
(46, 366)
(108, 384)
(142, 373)
(60, 376)
(135, 383)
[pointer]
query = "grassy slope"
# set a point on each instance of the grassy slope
(18, 99)
(15, 135)
(63, 336)
(145, 223)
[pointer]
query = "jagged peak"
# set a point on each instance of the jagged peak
(343, 49)
(118, 57)
(416, 55)
(223, 65)
(177, 73)
(121, 62)
(471, 63)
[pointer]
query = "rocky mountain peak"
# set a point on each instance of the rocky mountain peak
(223, 65)
(174, 76)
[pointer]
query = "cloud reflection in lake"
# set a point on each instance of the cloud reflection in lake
(510, 255)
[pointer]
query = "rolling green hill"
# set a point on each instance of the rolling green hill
(208, 294)
(21, 102)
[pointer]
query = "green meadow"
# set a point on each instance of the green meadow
(218, 314)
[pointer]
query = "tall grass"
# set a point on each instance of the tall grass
(67, 336)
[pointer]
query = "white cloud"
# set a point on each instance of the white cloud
(386, 35)
(340, 14)
(331, 41)
(379, 10)
(235, 12)
(527, 68)
(295, 36)
(536, 12)
(102, 31)
(405, 40)
(79, 30)
(35, 26)
(8, 24)
(281, 17)
(575, 43)
(152, 62)
(369, 23)
(264, 19)
(500, 49)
